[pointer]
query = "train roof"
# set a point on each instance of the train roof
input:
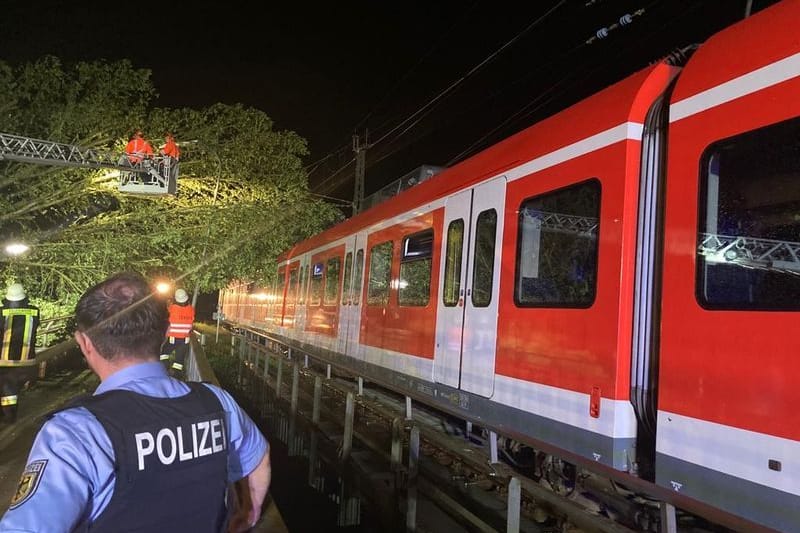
(625, 101)
(763, 39)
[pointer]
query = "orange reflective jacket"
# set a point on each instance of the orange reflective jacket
(171, 149)
(181, 318)
(137, 148)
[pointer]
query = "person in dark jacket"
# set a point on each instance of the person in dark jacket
(19, 324)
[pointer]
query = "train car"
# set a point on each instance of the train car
(617, 285)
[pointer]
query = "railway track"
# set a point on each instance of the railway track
(395, 455)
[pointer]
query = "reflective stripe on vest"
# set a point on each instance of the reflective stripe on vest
(28, 338)
(181, 318)
(8, 400)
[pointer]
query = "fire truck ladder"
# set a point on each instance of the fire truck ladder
(157, 176)
(751, 252)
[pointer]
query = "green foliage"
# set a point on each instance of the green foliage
(242, 194)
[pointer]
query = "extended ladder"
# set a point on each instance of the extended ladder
(156, 176)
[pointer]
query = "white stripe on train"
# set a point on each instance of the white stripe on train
(737, 452)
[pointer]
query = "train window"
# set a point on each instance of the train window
(348, 276)
(747, 244)
(332, 281)
(358, 270)
(557, 248)
(414, 287)
(452, 263)
(483, 259)
(315, 293)
(380, 274)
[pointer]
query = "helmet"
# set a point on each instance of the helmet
(181, 297)
(15, 292)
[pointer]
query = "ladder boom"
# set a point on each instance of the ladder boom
(153, 176)
(27, 150)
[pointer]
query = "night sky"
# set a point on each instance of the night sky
(328, 70)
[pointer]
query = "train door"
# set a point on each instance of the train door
(302, 289)
(290, 299)
(347, 311)
(466, 337)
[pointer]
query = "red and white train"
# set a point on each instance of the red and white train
(618, 284)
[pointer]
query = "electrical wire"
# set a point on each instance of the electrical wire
(449, 89)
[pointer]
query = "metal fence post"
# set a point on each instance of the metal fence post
(317, 398)
(347, 438)
(514, 499)
(413, 470)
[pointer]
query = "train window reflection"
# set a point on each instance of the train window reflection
(380, 274)
(315, 294)
(332, 281)
(748, 249)
(557, 248)
(452, 263)
(357, 274)
(348, 276)
(483, 260)
(414, 288)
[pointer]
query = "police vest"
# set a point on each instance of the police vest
(19, 334)
(181, 318)
(171, 461)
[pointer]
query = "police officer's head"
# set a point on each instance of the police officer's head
(122, 318)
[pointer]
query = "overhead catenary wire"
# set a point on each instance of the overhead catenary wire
(398, 83)
(448, 90)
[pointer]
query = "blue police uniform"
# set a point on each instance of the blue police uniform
(69, 480)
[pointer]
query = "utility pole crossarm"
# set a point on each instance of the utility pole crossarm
(27, 150)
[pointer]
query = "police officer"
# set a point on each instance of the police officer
(181, 318)
(18, 355)
(146, 452)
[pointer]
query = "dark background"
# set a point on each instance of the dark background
(328, 70)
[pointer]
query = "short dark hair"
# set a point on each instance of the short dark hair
(122, 317)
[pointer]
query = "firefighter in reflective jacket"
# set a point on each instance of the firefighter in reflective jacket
(18, 357)
(181, 317)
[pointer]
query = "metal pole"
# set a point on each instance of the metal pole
(279, 379)
(295, 383)
(358, 191)
(413, 470)
(328, 372)
(514, 499)
(360, 386)
(317, 398)
(397, 443)
(347, 439)
(669, 523)
(492, 447)
(408, 407)
(216, 341)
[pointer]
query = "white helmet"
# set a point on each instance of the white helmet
(15, 292)
(181, 297)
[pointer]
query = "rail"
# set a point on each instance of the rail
(267, 356)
